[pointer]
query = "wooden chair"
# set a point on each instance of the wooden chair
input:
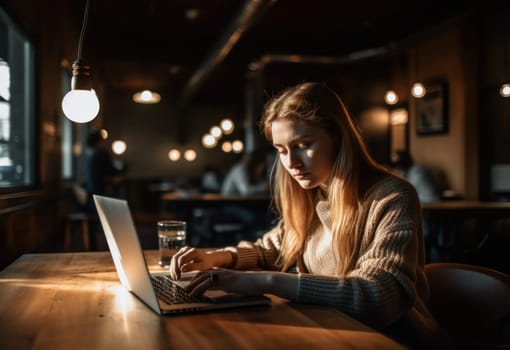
(471, 303)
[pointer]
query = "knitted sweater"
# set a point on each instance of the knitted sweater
(388, 282)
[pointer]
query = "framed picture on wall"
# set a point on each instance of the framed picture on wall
(431, 111)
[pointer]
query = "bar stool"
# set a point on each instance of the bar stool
(81, 220)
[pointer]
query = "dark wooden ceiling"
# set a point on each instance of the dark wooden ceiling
(152, 43)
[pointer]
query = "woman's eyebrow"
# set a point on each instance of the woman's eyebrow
(298, 138)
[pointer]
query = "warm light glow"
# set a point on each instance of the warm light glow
(146, 97)
(505, 90)
(209, 141)
(119, 147)
(104, 133)
(174, 155)
(227, 125)
(190, 155)
(192, 13)
(215, 131)
(77, 149)
(398, 116)
(80, 106)
(226, 146)
(124, 300)
(391, 97)
(237, 146)
(418, 90)
(61, 285)
(374, 120)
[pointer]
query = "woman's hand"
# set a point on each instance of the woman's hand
(191, 259)
(282, 284)
(232, 281)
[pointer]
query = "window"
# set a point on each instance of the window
(67, 135)
(17, 160)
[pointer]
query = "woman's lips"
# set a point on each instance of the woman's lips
(301, 176)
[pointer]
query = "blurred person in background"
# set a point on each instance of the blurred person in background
(436, 234)
(419, 176)
(100, 172)
(249, 177)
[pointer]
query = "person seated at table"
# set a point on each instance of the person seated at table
(349, 227)
(248, 177)
(100, 170)
(419, 176)
(210, 181)
(101, 176)
(436, 234)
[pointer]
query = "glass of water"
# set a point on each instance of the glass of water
(171, 237)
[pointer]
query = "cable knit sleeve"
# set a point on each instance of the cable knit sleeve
(261, 254)
(382, 286)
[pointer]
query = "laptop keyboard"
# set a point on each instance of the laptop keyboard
(171, 293)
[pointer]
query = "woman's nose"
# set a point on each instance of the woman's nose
(294, 161)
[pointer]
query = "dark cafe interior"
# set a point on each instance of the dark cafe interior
(166, 98)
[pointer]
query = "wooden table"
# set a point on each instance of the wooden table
(215, 198)
(173, 200)
(75, 301)
(460, 229)
(468, 209)
(216, 220)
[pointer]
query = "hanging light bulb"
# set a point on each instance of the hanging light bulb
(174, 155)
(190, 155)
(227, 125)
(119, 147)
(81, 104)
(226, 146)
(146, 97)
(418, 90)
(215, 131)
(391, 97)
(209, 141)
(504, 91)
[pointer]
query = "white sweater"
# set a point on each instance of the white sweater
(388, 283)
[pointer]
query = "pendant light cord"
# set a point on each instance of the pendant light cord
(505, 55)
(83, 26)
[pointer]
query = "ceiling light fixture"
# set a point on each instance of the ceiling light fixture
(192, 13)
(226, 146)
(504, 91)
(237, 146)
(227, 125)
(215, 131)
(190, 155)
(418, 89)
(209, 141)
(119, 147)
(81, 104)
(391, 97)
(146, 97)
(174, 155)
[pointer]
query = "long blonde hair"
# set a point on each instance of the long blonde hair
(318, 105)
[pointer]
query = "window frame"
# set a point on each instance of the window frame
(28, 103)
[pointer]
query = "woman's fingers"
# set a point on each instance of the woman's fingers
(203, 281)
(176, 262)
(189, 259)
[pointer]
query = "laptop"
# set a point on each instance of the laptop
(156, 290)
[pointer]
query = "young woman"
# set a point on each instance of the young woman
(351, 229)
